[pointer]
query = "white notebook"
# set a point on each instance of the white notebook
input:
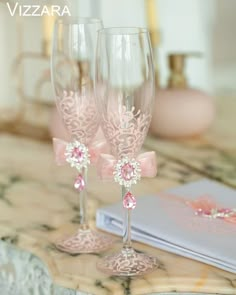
(165, 221)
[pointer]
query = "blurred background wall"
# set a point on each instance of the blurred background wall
(186, 26)
(224, 47)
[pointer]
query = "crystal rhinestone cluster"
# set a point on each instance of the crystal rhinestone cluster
(77, 155)
(216, 213)
(127, 172)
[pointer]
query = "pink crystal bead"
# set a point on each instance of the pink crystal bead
(78, 154)
(199, 212)
(225, 210)
(79, 183)
(127, 171)
(207, 212)
(129, 201)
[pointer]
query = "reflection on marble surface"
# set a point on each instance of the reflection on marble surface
(38, 204)
(21, 273)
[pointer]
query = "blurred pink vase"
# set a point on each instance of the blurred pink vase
(180, 113)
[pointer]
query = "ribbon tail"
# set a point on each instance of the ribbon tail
(204, 203)
(231, 219)
(96, 149)
(59, 147)
(105, 166)
(148, 163)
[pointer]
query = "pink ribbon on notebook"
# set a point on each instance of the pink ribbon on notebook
(107, 162)
(204, 206)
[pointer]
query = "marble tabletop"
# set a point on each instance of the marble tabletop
(38, 204)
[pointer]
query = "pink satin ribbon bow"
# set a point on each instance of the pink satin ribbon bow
(95, 149)
(148, 165)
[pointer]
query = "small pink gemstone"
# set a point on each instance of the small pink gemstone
(79, 183)
(207, 212)
(127, 171)
(199, 211)
(225, 210)
(129, 201)
(78, 154)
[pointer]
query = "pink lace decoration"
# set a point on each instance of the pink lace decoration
(126, 131)
(128, 263)
(80, 115)
(85, 241)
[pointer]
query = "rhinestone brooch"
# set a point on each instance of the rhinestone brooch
(127, 172)
(77, 155)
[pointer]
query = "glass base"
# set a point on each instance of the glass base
(85, 241)
(128, 262)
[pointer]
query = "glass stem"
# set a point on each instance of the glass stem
(127, 223)
(129, 101)
(83, 202)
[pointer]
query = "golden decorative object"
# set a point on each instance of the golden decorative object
(177, 77)
(48, 24)
(154, 30)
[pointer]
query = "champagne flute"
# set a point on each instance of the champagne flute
(72, 69)
(125, 94)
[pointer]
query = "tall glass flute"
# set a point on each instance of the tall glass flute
(72, 68)
(124, 95)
